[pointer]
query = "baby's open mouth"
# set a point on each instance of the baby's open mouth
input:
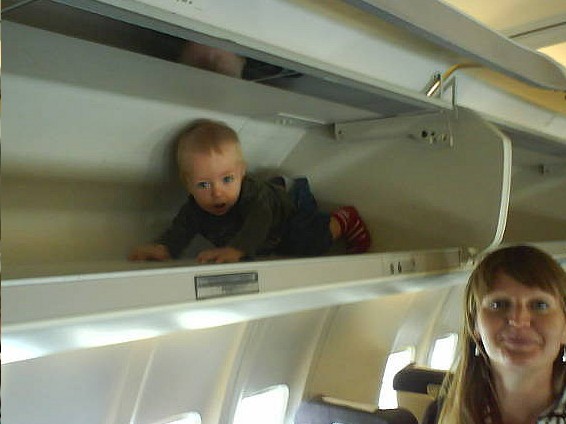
(220, 206)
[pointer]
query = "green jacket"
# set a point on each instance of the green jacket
(254, 225)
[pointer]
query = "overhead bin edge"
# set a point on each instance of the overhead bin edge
(436, 21)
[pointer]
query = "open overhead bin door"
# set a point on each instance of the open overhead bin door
(537, 211)
(427, 181)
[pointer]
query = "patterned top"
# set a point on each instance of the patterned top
(556, 414)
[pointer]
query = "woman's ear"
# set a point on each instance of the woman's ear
(476, 335)
(474, 330)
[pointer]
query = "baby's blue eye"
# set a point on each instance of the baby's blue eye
(203, 185)
(228, 179)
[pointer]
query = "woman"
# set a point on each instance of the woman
(511, 368)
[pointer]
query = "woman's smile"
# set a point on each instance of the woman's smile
(521, 342)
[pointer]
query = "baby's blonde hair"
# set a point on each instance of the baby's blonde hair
(206, 135)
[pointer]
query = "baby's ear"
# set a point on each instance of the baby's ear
(244, 168)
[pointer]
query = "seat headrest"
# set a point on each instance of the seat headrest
(417, 379)
(323, 410)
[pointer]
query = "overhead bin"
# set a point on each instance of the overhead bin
(426, 181)
(87, 149)
(75, 135)
(161, 37)
(436, 21)
(530, 116)
(42, 316)
(537, 209)
(76, 129)
(381, 61)
(429, 20)
(87, 175)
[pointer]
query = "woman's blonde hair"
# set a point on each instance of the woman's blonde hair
(470, 396)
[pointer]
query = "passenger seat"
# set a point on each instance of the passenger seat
(326, 410)
(417, 387)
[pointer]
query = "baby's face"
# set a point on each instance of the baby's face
(213, 178)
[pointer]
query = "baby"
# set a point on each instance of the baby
(241, 215)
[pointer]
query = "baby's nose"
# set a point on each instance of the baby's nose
(217, 190)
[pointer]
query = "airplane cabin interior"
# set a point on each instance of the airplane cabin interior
(447, 135)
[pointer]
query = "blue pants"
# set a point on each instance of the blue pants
(307, 233)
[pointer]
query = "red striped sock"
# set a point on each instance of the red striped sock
(354, 230)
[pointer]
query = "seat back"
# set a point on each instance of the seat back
(417, 387)
(325, 411)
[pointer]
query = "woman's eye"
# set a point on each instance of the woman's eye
(498, 305)
(204, 185)
(228, 179)
(539, 305)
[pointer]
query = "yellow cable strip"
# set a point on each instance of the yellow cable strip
(559, 108)
(453, 69)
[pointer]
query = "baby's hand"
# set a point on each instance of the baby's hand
(150, 252)
(220, 255)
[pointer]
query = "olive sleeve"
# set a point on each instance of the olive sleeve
(181, 231)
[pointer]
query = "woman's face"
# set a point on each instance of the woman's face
(520, 326)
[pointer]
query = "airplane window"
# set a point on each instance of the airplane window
(443, 352)
(265, 407)
(187, 418)
(395, 362)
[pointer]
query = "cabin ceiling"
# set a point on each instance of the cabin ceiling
(513, 16)
(536, 24)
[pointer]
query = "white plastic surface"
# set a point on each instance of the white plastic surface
(133, 305)
(414, 194)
